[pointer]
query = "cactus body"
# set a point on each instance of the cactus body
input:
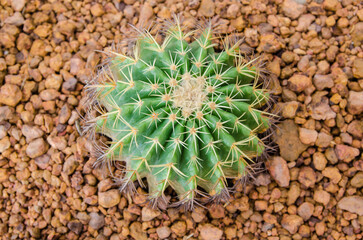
(179, 114)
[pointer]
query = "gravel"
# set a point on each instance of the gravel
(313, 186)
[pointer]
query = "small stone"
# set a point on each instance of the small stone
(319, 161)
(270, 43)
(262, 180)
(4, 144)
(7, 40)
(353, 204)
(333, 174)
(77, 64)
(49, 94)
(4, 175)
(316, 45)
(38, 48)
(321, 110)
(279, 171)
(137, 232)
(206, 8)
(331, 156)
(43, 30)
(289, 109)
(357, 34)
(307, 177)
(146, 13)
(18, 5)
(163, 232)
(5, 113)
(355, 102)
(287, 137)
(10, 94)
(17, 19)
(261, 205)
(304, 22)
(148, 214)
(198, 214)
(231, 232)
(70, 165)
(3, 131)
(83, 217)
(75, 226)
(97, 220)
(303, 64)
(210, 232)
(97, 10)
(291, 223)
(323, 67)
(357, 180)
(356, 129)
(233, 10)
(305, 210)
(109, 199)
(216, 211)
(323, 140)
(179, 228)
(299, 82)
(358, 68)
(330, 5)
(31, 132)
(53, 81)
(323, 81)
(164, 13)
(66, 27)
(56, 62)
(307, 136)
(36, 148)
(293, 193)
(288, 57)
(322, 197)
(70, 84)
(346, 153)
(129, 2)
(293, 9)
(129, 12)
(320, 228)
(64, 114)
(42, 161)
(57, 142)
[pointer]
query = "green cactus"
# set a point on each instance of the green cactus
(180, 114)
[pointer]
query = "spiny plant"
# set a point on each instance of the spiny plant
(180, 114)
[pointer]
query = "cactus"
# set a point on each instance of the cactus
(180, 114)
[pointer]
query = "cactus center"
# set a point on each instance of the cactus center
(190, 94)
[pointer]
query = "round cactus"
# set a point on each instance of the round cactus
(180, 114)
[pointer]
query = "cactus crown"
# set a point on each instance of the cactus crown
(179, 114)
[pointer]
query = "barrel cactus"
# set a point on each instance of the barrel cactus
(179, 114)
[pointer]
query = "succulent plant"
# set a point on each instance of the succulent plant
(180, 114)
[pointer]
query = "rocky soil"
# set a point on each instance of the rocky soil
(313, 186)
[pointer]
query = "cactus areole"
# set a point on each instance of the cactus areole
(179, 114)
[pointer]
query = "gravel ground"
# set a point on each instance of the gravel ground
(313, 187)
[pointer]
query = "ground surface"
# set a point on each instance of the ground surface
(312, 189)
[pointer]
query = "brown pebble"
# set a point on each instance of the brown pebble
(210, 232)
(291, 223)
(299, 82)
(206, 8)
(279, 171)
(307, 177)
(110, 198)
(10, 94)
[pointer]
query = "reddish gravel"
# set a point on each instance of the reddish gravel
(313, 186)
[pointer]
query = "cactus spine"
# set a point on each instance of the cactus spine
(179, 114)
